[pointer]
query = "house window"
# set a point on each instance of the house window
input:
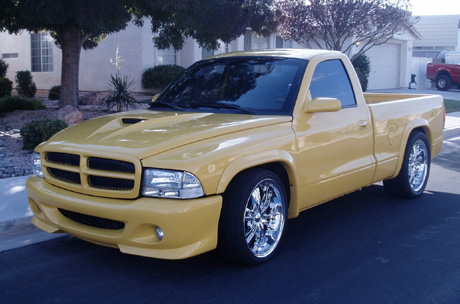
(10, 55)
(42, 52)
(167, 56)
(280, 43)
(261, 43)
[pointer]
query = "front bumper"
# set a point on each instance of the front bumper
(189, 226)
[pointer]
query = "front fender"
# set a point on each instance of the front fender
(263, 158)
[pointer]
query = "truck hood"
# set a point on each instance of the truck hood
(145, 133)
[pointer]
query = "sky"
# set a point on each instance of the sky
(435, 7)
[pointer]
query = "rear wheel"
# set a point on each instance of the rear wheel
(443, 82)
(253, 217)
(413, 177)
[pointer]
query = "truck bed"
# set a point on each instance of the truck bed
(393, 116)
(373, 98)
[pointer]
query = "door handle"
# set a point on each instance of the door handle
(362, 124)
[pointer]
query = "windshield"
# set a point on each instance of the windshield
(251, 85)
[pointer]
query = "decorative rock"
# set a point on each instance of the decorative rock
(70, 115)
(92, 98)
(9, 169)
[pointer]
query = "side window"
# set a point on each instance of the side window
(330, 79)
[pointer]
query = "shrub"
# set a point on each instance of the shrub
(55, 93)
(3, 68)
(363, 69)
(39, 131)
(10, 104)
(120, 96)
(6, 86)
(160, 76)
(26, 87)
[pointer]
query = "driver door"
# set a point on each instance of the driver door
(335, 149)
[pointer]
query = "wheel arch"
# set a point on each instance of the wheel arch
(279, 162)
(443, 73)
(419, 125)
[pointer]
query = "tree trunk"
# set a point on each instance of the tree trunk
(71, 43)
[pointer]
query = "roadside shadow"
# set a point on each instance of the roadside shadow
(449, 158)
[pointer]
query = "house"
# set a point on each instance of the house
(390, 63)
(439, 34)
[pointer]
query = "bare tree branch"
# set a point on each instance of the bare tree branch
(340, 24)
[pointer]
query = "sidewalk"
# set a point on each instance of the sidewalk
(15, 214)
(16, 230)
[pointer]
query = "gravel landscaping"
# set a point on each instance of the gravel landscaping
(14, 160)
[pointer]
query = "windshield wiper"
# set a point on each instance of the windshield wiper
(165, 104)
(216, 105)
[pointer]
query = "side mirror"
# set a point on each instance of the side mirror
(323, 104)
(154, 98)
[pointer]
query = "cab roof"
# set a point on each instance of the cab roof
(306, 54)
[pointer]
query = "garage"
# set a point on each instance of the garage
(385, 66)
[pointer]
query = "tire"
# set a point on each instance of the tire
(253, 217)
(413, 177)
(443, 82)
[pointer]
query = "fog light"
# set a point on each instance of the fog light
(159, 232)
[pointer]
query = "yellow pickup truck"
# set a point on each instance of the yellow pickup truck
(228, 152)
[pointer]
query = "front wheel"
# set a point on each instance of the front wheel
(253, 217)
(413, 177)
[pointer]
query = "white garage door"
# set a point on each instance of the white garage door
(385, 66)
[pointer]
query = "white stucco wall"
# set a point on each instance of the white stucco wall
(135, 49)
(20, 44)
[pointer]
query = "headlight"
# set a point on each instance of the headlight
(170, 184)
(37, 164)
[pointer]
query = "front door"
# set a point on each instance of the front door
(335, 149)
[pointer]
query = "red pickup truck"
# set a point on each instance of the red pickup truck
(444, 75)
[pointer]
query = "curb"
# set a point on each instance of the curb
(21, 232)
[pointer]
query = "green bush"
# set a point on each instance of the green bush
(363, 69)
(25, 85)
(6, 86)
(39, 131)
(120, 96)
(13, 103)
(160, 76)
(55, 93)
(3, 68)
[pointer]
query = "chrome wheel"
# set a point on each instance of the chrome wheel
(413, 176)
(264, 218)
(253, 217)
(418, 165)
